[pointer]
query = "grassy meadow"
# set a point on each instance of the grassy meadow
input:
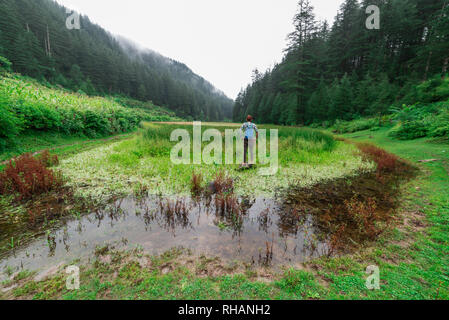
(412, 256)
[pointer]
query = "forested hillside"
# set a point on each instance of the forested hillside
(34, 37)
(346, 71)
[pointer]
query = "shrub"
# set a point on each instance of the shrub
(433, 90)
(410, 130)
(440, 124)
(25, 104)
(355, 125)
(10, 124)
(5, 65)
(419, 121)
(386, 162)
(71, 121)
(27, 176)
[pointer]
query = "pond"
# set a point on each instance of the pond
(261, 231)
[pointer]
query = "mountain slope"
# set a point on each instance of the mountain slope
(34, 37)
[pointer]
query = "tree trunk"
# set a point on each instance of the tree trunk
(48, 42)
(445, 64)
(428, 66)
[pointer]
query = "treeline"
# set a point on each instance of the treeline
(346, 71)
(34, 37)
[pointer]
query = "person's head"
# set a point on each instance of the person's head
(249, 118)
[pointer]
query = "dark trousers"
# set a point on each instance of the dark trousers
(245, 151)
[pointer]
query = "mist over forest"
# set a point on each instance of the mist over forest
(35, 39)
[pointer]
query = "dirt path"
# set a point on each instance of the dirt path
(117, 137)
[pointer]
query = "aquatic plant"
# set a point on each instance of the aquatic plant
(223, 183)
(174, 213)
(197, 188)
(27, 176)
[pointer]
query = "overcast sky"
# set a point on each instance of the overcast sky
(221, 40)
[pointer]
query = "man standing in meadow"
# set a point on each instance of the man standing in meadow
(251, 135)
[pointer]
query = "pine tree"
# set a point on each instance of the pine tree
(76, 76)
(142, 92)
(276, 109)
(344, 99)
(298, 59)
(23, 60)
(319, 104)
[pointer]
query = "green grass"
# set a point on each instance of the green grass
(26, 105)
(59, 144)
(413, 150)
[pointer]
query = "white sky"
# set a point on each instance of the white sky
(221, 40)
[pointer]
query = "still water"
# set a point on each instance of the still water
(262, 232)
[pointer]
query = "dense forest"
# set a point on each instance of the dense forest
(34, 37)
(347, 71)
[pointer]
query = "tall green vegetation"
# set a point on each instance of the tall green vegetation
(34, 37)
(25, 105)
(418, 121)
(348, 71)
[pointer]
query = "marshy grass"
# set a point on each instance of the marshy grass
(306, 157)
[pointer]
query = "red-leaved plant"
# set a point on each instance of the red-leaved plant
(386, 162)
(27, 176)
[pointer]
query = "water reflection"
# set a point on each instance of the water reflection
(253, 230)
